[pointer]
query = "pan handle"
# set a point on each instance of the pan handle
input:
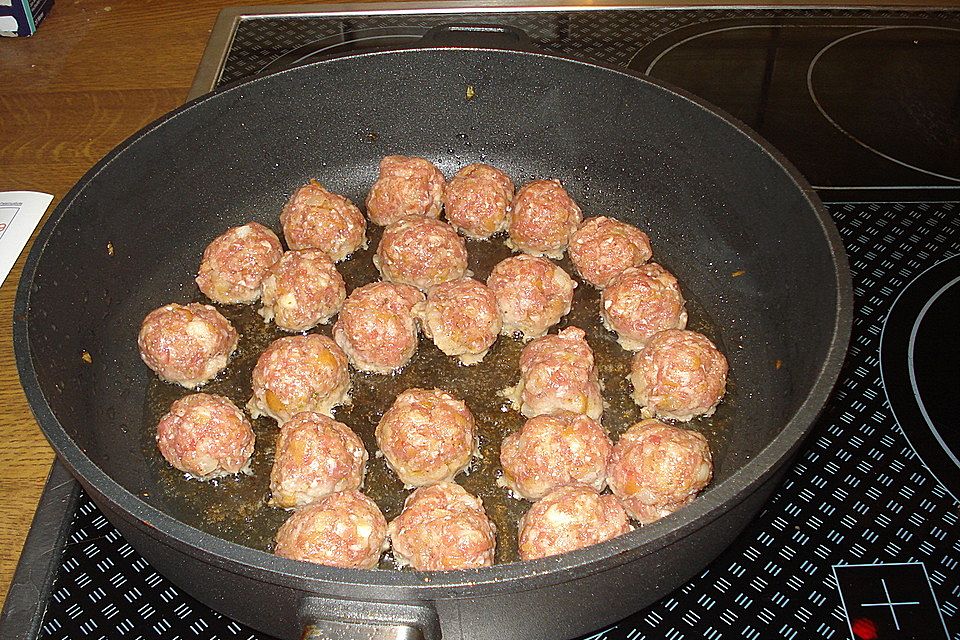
(495, 36)
(335, 619)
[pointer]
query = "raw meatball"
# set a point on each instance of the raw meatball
(554, 451)
(570, 518)
(315, 456)
(679, 374)
(187, 345)
(542, 219)
(603, 248)
(640, 302)
(462, 318)
(315, 218)
(442, 527)
(558, 373)
(421, 252)
(656, 469)
(234, 264)
(303, 289)
(427, 436)
(406, 187)
(477, 200)
(343, 529)
(532, 294)
(206, 436)
(376, 327)
(299, 373)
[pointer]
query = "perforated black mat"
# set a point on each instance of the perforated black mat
(857, 495)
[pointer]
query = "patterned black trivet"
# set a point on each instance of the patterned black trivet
(857, 495)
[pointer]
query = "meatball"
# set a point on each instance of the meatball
(640, 302)
(477, 200)
(376, 327)
(234, 264)
(186, 344)
(344, 529)
(558, 373)
(602, 248)
(315, 456)
(315, 218)
(206, 436)
(554, 451)
(427, 436)
(656, 469)
(421, 252)
(299, 373)
(462, 318)
(543, 217)
(442, 527)
(405, 187)
(570, 518)
(532, 294)
(679, 374)
(303, 289)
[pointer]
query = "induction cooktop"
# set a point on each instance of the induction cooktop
(861, 540)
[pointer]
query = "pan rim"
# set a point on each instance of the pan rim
(514, 576)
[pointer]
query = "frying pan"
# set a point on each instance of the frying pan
(716, 199)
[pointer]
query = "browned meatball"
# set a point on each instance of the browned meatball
(656, 469)
(427, 436)
(679, 374)
(315, 456)
(640, 302)
(603, 248)
(299, 373)
(532, 294)
(406, 187)
(234, 264)
(343, 529)
(558, 373)
(315, 218)
(303, 289)
(554, 451)
(542, 219)
(421, 252)
(478, 199)
(206, 436)
(186, 344)
(442, 527)
(462, 318)
(376, 327)
(570, 518)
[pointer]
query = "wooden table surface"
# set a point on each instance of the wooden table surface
(95, 72)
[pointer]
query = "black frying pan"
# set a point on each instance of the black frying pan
(716, 199)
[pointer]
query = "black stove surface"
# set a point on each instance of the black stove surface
(865, 103)
(862, 539)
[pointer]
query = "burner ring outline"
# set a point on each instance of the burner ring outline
(823, 112)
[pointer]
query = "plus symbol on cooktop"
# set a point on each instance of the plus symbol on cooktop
(889, 601)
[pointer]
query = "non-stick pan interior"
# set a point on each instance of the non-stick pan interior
(723, 214)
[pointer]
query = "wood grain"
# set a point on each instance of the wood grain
(94, 73)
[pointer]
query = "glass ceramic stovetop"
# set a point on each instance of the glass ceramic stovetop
(862, 539)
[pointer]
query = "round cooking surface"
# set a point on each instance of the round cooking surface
(920, 365)
(893, 90)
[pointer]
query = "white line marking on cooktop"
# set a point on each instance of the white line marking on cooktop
(883, 382)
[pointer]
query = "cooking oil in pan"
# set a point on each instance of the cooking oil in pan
(235, 508)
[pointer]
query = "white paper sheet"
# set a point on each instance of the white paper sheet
(20, 213)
